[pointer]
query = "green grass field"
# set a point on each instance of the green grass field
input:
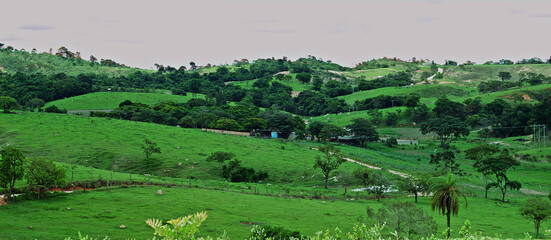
(232, 212)
(111, 100)
(116, 145)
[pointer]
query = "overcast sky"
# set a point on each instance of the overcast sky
(141, 33)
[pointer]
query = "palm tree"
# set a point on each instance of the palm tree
(446, 196)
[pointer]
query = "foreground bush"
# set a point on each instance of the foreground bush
(184, 228)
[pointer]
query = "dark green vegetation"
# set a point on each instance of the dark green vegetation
(411, 121)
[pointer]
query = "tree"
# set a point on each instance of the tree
(448, 158)
(317, 83)
(193, 66)
(363, 131)
(42, 173)
(379, 184)
(446, 128)
(331, 161)
(413, 185)
(331, 131)
(315, 127)
(149, 148)
(346, 179)
(407, 220)
(35, 103)
(363, 175)
(412, 100)
(538, 210)
(220, 157)
(446, 197)
(304, 77)
(498, 166)
(7, 103)
(12, 167)
(504, 76)
(480, 154)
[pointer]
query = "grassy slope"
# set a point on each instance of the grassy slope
(132, 206)
(111, 100)
(26, 62)
(116, 145)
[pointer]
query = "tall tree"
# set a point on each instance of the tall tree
(538, 210)
(363, 130)
(446, 128)
(480, 155)
(12, 167)
(504, 76)
(446, 197)
(378, 184)
(331, 161)
(413, 185)
(498, 166)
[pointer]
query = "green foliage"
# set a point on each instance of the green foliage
(330, 131)
(54, 109)
(498, 166)
(363, 131)
(12, 167)
(445, 197)
(183, 228)
(267, 232)
(42, 173)
(504, 75)
(536, 209)
(446, 128)
(220, 157)
(234, 172)
(331, 161)
(150, 148)
(391, 142)
(227, 124)
(7, 103)
(407, 220)
(304, 77)
(378, 184)
(413, 185)
(364, 176)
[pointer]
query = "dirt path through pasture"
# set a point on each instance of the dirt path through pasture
(401, 174)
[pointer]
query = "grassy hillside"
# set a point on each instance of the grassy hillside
(116, 145)
(478, 73)
(228, 211)
(30, 63)
(111, 100)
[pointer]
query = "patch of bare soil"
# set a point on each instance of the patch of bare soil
(295, 93)
(284, 72)
(532, 192)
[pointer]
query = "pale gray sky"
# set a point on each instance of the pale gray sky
(144, 32)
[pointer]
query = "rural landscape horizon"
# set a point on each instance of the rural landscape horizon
(275, 120)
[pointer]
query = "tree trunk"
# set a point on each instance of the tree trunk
(486, 187)
(326, 178)
(503, 191)
(448, 215)
(537, 226)
(415, 197)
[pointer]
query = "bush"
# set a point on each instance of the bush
(54, 109)
(234, 172)
(275, 233)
